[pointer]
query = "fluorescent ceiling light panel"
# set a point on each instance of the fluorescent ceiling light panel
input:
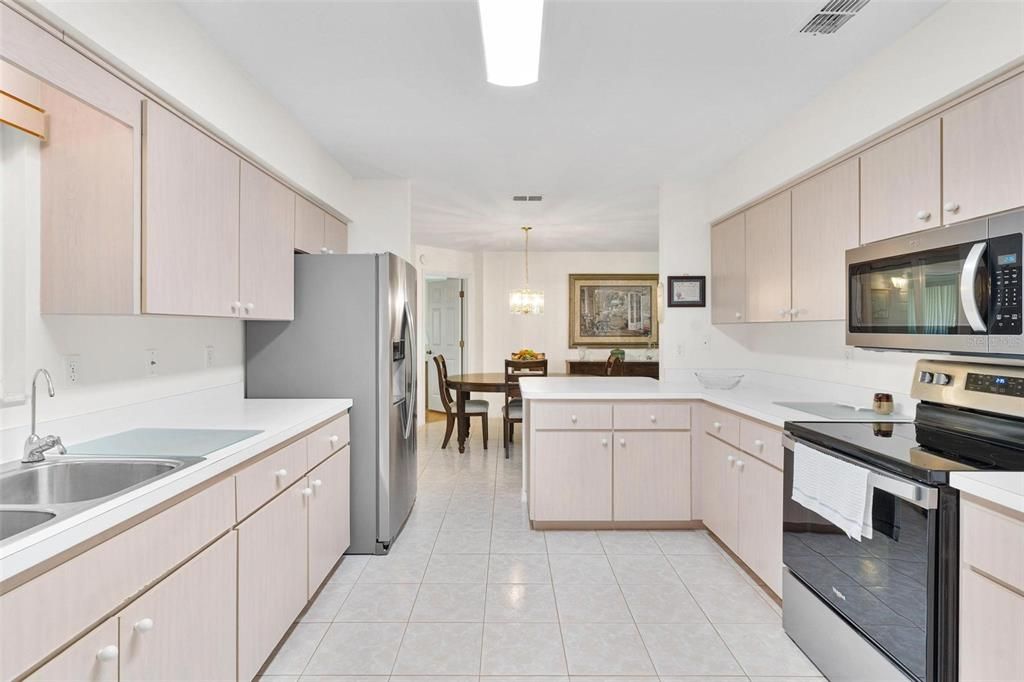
(511, 30)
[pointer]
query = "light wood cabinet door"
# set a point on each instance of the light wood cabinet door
(728, 271)
(272, 576)
(900, 184)
(768, 253)
(825, 225)
(329, 528)
(760, 519)
(983, 153)
(651, 476)
(335, 235)
(720, 489)
(572, 475)
(309, 226)
(266, 235)
(190, 219)
(88, 209)
(991, 629)
(93, 658)
(184, 627)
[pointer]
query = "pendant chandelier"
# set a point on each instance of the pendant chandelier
(526, 301)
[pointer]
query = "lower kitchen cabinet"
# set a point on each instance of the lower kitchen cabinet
(272, 575)
(572, 474)
(651, 476)
(93, 658)
(719, 492)
(759, 515)
(184, 627)
(329, 529)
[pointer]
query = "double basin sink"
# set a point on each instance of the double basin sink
(63, 485)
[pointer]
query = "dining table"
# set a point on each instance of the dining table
(479, 382)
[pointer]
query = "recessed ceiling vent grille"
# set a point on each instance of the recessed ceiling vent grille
(527, 197)
(833, 16)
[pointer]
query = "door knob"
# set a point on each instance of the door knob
(951, 207)
(783, 312)
(730, 459)
(739, 464)
(759, 444)
(739, 316)
(622, 442)
(317, 483)
(604, 442)
(250, 306)
(306, 492)
(924, 215)
(236, 306)
(717, 426)
(330, 252)
(572, 418)
(107, 653)
(654, 419)
(281, 473)
(323, 250)
(144, 625)
(334, 440)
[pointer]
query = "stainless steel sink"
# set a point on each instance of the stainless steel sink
(32, 495)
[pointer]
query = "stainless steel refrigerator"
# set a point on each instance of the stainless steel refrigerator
(353, 336)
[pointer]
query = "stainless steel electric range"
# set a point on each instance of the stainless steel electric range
(885, 608)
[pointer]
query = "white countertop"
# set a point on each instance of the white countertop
(219, 408)
(755, 397)
(1005, 488)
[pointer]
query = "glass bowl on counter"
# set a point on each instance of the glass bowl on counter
(722, 381)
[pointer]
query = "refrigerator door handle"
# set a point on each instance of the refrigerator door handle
(411, 373)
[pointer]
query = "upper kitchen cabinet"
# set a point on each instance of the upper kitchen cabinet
(318, 232)
(190, 201)
(983, 153)
(901, 182)
(266, 280)
(825, 225)
(768, 260)
(728, 267)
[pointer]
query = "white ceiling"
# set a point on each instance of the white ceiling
(631, 92)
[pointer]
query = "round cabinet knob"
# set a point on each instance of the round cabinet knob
(144, 625)
(717, 426)
(604, 442)
(307, 492)
(107, 653)
(730, 459)
(236, 305)
(924, 215)
(951, 207)
(783, 312)
(794, 312)
(317, 483)
(739, 316)
(334, 440)
(654, 419)
(330, 252)
(250, 307)
(572, 418)
(281, 473)
(622, 442)
(759, 444)
(323, 250)
(739, 464)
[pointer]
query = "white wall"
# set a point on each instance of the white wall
(505, 333)
(161, 44)
(384, 217)
(467, 265)
(958, 45)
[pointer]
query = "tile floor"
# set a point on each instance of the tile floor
(470, 592)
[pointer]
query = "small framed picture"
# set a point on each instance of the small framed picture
(687, 291)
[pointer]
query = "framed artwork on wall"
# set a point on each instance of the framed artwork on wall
(613, 311)
(687, 291)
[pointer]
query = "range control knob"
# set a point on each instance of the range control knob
(926, 377)
(943, 379)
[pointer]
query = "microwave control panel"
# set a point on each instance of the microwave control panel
(1006, 284)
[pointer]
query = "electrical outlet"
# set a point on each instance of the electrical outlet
(72, 369)
(208, 357)
(152, 362)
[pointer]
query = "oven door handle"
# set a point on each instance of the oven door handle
(923, 496)
(967, 293)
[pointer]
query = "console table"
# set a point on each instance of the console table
(637, 368)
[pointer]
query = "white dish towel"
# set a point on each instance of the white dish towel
(833, 489)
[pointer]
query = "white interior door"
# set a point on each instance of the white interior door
(444, 326)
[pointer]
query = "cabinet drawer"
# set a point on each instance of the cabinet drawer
(722, 424)
(571, 415)
(328, 439)
(992, 541)
(652, 415)
(762, 441)
(258, 483)
(54, 608)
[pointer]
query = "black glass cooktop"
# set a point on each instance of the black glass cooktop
(927, 449)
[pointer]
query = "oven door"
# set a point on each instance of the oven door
(883, 587)
(924, 291)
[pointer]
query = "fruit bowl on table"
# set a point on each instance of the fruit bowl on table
(527, 354)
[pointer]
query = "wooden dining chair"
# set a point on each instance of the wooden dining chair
(474, 408)
(614, 367)
(512, 413)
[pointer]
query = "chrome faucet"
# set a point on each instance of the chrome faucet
(35, 445)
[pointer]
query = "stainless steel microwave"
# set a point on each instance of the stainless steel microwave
(951, 289)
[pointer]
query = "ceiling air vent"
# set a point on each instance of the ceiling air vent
(833, 16)
(527, 197)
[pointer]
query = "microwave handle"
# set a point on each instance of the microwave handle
(967, 278)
